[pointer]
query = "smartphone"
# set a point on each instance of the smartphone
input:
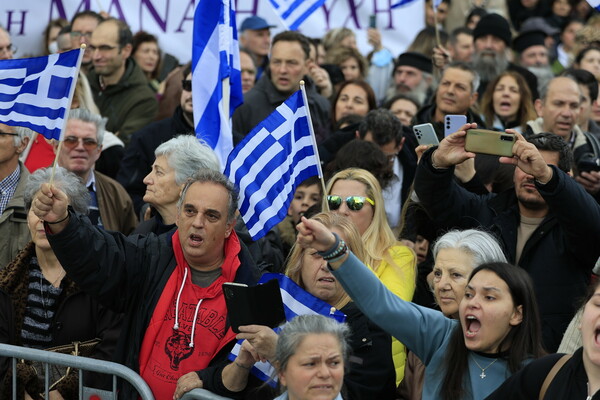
(489, 142)
(589, 165)
(453, 123)
(248, 305)
(372, 21)
(426, 134)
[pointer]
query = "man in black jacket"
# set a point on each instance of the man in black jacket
(549, 225)
(455, 94)
(168, 286)
(289, 63)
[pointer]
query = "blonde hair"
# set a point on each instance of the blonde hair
(378, 238)
(333, 38)
(351, 236)
(83, 93)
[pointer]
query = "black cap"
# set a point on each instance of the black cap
(528, 39)
(495, 25)
(416, 60)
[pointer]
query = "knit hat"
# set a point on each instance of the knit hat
(495, 25)
(528, 39)
(416, 60)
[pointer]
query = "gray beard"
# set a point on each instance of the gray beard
(489, 66)
(543, 74)
(419, 92)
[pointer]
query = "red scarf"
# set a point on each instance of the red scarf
(166, 353)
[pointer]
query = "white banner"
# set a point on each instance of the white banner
(172, 20)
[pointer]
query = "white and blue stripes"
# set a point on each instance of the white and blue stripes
(267, 166)
(36, 92)
(296, 301)
(595, 4)
(215, 58)
(294, 12)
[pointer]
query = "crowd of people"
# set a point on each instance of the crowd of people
(459, 275)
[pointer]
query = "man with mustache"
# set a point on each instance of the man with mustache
(412, 75)
(533, 55)
(548, 224)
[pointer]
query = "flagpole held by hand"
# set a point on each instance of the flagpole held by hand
(66, 117)
(313, 139)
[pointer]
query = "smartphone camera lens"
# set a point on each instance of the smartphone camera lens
(507, 138)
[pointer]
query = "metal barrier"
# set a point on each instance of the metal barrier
(80, 363)
(202, 394)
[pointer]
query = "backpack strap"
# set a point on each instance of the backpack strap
(593, 141)
(550, 377)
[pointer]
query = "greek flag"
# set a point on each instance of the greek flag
(595, 4)
(216, 76)
(402, 3)
(294, 12)
(267, 166)
(36, 92)
(296, 301)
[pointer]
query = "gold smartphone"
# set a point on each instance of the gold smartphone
(489, 142)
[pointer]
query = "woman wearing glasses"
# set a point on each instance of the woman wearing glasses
(356, 194)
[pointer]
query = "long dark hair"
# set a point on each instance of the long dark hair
(523, 341)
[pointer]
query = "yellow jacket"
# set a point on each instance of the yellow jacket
(401, 280)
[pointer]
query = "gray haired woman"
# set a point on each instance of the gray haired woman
(176, 161)
(310, 358)
(43, 308)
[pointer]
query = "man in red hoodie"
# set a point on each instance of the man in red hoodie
(169, 286)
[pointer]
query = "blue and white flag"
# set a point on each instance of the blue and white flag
(296, 301)
(294, 12)
(271, 161)
(402, 3)
(595, 4)
(36, 92)
(216, 76)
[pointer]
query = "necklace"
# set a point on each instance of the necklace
(483, 375)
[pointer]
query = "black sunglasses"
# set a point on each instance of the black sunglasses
(187, 85)
(354, 203)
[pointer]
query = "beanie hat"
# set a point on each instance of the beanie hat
(495, 25)
(528, 39)
(416, 60)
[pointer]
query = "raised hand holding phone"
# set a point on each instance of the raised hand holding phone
(451, 150)
(528, 158)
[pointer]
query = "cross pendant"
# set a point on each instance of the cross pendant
(483, 375)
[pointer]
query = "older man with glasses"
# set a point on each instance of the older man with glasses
(7, 49)
(82, 26)
(110, 206)
(14, 233)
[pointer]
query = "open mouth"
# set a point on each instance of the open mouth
(597, 336)
(196, 239)
(472, 326)
(326, 279)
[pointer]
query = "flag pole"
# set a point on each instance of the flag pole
(225, 83)
(62, 130)
(435, 24)
(314, 141)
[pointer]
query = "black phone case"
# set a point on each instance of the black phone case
(254, 305)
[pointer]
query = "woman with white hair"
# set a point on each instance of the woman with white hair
(176, 161)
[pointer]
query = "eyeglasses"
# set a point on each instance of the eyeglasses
(104, 48)
(355, 203)
(8, 134)
(78, 34)
(11, 48)
(73, 141)
(187, 85)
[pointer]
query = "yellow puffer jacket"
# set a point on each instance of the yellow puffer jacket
(401, 280)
